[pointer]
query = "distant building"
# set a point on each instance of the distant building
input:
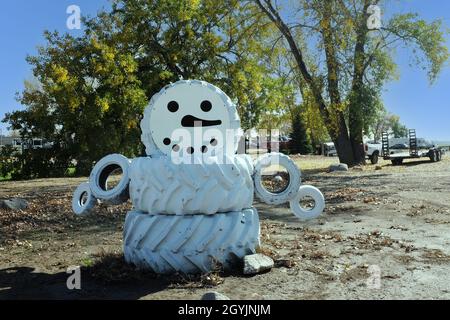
(20, 144)
(6, 141)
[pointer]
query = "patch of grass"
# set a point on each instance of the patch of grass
(112, 268)
(5, 178)
(70, 172)
(314, 164)
(87, 262)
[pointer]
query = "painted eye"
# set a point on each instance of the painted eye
(173, 106)
(167, 141)
(190, 150)
(213, 142)
(206, 106)
(176, 148)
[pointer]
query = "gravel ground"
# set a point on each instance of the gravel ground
(384, 235)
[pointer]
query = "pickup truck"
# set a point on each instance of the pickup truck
(373, 151)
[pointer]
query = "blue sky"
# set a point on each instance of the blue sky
(420, 106)
(22, 23)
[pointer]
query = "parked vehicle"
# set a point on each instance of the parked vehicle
(373, 151)
(329, 149)
(399, 148)
(417, 148)
(283, 143)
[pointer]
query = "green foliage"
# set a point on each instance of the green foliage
(221, 42)
(343, 66)
(88, 93)
(87, 101)
(316, 128)
(32, 163)
(427, 40)
(300, 143)
(386, 122)
(398, 130)
(7, 161)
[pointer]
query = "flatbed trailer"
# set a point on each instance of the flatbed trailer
(415, 152)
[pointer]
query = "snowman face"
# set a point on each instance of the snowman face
(190, 118)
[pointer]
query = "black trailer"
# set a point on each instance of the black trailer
(415, 150)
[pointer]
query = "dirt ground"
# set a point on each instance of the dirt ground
(385, 234)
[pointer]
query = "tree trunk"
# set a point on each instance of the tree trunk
(359, 154)
(340, 137)
(342, 143)
(356, 124)
(356, 117)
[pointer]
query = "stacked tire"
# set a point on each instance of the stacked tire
(190, 218)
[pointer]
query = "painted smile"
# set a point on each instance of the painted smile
(190, 121)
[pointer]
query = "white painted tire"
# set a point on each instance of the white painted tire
(190, 244)
(305, 214)
(294, 178)
(99, 176)
(79, 206)
(189, 91)
(158, 186)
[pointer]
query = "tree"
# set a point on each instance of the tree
(87, 101)
(357, 61)
(300, 143)
(316, 128)
(90, 91)
(221, 42)
(398, 129)
(387, 122)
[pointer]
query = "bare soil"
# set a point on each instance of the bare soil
(393, 222)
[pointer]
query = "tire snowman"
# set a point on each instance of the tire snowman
(192, 197)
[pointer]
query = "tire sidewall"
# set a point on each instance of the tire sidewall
(158, 186)
(189, 244)
(77, 207)
(117, 194)
(316, 195)
(374, 158)
(294, 179)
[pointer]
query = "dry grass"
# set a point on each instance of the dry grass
(111, 268)
(314, 164)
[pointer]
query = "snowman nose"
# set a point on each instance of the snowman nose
(190, 121)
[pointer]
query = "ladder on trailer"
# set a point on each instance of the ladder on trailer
(385, 143)
(413, 143)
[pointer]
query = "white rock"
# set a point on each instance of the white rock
(338, 167)
(214, 296)
(14, 204)
(257, 263)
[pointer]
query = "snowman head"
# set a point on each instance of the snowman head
(190, 118)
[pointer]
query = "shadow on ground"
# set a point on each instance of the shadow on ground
(23, 283)
(110, 277)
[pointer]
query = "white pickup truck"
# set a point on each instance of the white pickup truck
(373, 151)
